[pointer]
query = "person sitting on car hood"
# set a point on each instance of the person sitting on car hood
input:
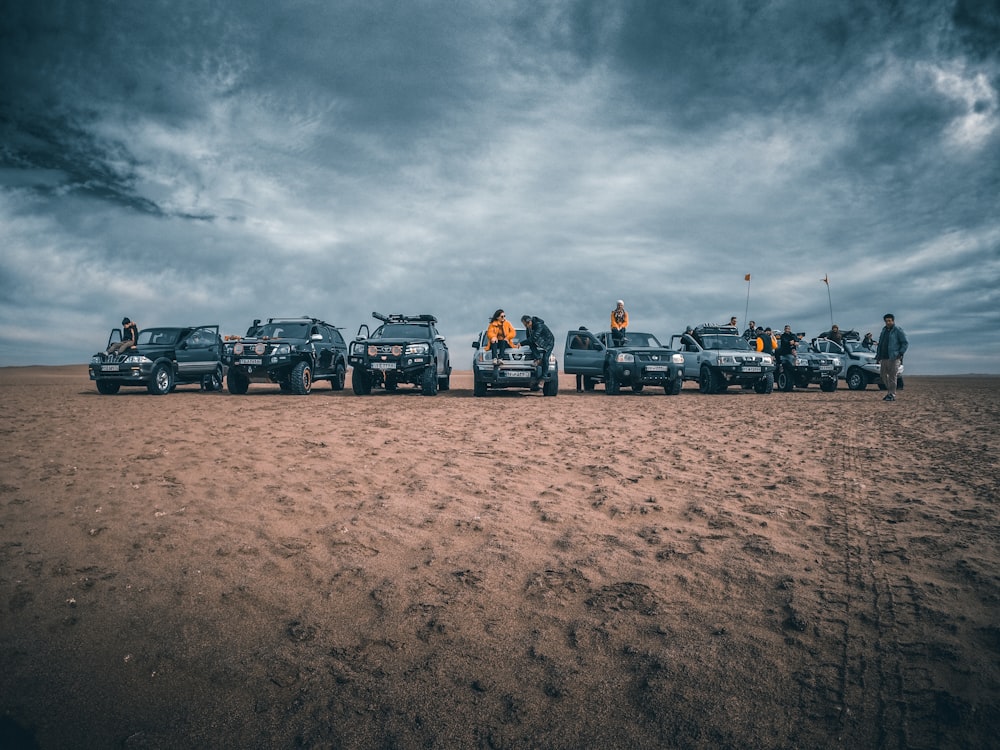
(130, 334)
(500, 335)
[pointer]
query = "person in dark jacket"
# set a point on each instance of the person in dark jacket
(892, 345)
(538, 336)
(130, 334)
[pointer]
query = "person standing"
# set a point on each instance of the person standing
(619, 323)
(766, 342)
(788, 343)
(538, 336)
(892, 345)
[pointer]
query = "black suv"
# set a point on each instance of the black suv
(404, 349)
(292, 352)
(638, 361)
(805, 366)
(161, 359)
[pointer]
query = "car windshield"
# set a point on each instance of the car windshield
(403, 331)
(282, 331)
(641, 339)
(159, 336)
(723, 341)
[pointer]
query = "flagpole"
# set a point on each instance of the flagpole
(829, 296)
(746, 312)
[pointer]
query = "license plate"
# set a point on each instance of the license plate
(516, 374)
(383, 365)
(251, 361)
(109, 368)
(751, 369)
(657, 368)
(826, 368)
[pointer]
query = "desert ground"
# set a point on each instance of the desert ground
(203, 570)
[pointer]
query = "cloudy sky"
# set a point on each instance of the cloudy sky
(191, 162)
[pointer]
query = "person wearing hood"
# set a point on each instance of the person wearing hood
(619, 323)
(539, 338)
(130, 334)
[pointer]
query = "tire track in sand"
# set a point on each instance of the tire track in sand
(876, 686)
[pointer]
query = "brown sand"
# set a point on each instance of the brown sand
(204, 570)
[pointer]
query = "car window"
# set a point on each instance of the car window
(582, 341)
(338, 340)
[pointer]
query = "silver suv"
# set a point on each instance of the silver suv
(858, 366)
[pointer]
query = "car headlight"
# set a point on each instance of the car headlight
(625, 357)
(837, 362)
(418, 348)
(238, 348)
(725, 360)
(677, 358)
(281, 350)
(800, 362)
(95, 360)
(137, 359)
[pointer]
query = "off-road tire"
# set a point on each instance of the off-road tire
(765, 384)
(429, 382)
(856, 379)
(785, 381)
(106, 388)
(611, 385)
(674, 386)
(162, 380)
(551, 386)
(237, 382)
(444, 384)
(709, 381)
(479, 388)
(361, 382)
(828, 385)
(339, 378)
(301, 379)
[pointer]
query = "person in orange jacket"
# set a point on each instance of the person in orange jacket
(500, 335)
(766, 342)
(619, 323)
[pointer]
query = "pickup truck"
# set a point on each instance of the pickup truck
(642, 360)
(718, 356)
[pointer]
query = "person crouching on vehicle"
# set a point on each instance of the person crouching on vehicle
(538, 336)
(130, 334)
(500, 337)
(619, 323)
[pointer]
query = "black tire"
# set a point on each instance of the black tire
(429, 382)
(856, 379)
(551, 386)
(786, 380)
(301, 379)
(589, 383)
(611, 385)
(828, 385)
(479, 387)
(709, 381)
(361, 382)
(444, 384)
(339, 378)
(765, 384)
(162, 380)
(106, 388)
(674, 386)
(237, 382)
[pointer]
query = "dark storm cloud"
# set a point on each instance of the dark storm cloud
(242, 159)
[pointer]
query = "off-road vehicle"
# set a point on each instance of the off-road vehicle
(807, 366)
(404, 349)
(639, 361)
(292, 352)
(857, 364)
(718, 356)
(516, 369)
(162, 359)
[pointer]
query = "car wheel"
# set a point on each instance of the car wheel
(611, 385)
(301, 379)
(828, 385)
(551, 387)
(479, 387)
(106, 388)
(708, 381)
(429, 384)
(444, 384)
(237, 382)
(339, 378)
(361, 382)
(856, 380)
(765, 384)
(786, 382)
(162, 381)
(674, 386)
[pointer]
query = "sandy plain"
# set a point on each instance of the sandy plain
(803, 570)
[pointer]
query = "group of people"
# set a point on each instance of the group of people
(501, 336)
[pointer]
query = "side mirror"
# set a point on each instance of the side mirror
(475, 344)
(316, 337)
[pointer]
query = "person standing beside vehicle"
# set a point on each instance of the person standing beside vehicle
(130, 335)
(892, 345)
(542, 342)
(619, 323)
(788, 343)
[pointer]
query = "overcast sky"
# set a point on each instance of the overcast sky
(189, 162)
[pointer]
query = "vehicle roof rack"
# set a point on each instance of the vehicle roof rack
(400, 318)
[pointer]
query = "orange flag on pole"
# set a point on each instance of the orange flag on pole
(747, 277)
